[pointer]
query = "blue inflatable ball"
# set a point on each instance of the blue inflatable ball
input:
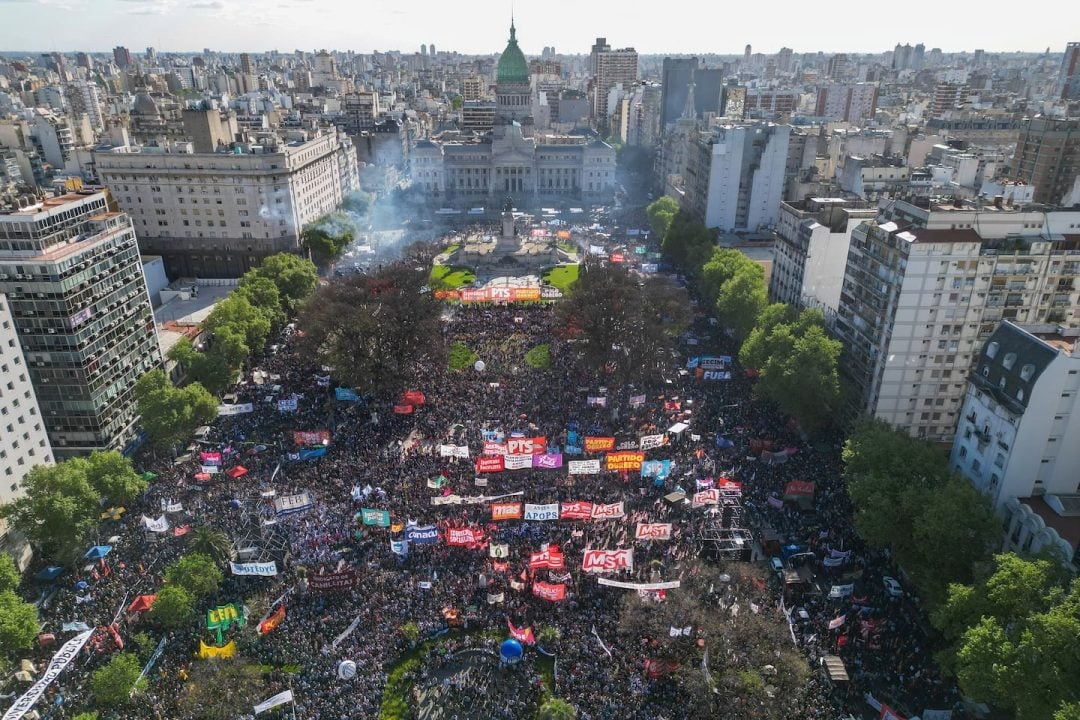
(511, 650)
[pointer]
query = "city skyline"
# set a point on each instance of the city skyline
(241, 26)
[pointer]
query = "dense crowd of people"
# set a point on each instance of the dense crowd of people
(390, 602)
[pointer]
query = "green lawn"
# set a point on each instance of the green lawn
(568, 247)
(451, 276)
(539, 358)
(461, 357)
(562, 276)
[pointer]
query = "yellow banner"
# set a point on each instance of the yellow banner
(209, 651)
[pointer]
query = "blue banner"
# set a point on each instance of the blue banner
(658, 469)
(312, 453)
(422, 535)
(723, 442)
(572, 450)
(346, 395)
(399, 547)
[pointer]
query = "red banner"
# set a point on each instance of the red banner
(599, 444)
(403, 409)
(526, 446)
(604, 561)
(270, 624)
(490, 463)
(447, 295)
(468, 296)
(464, 536)
(728, 485)
(799, 488)
(414, 397)
(311, 437)
(549, 591)
(496, 295)
(659, 668)
(550, 559)
(494, 448)
(332, 581)
(575, 511)
(506, 511)
(522, 635)
(627, 460)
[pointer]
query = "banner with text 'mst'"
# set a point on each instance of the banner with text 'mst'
(605, 561)
(608, 511)
(653, 531)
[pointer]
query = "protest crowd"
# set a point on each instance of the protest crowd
(376, 517)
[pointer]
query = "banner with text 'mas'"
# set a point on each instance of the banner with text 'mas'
(506, 511)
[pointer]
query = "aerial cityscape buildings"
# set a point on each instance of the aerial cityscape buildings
(247, 221)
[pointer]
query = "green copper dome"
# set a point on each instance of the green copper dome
(512, 65)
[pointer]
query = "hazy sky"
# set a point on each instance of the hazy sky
(480, 26)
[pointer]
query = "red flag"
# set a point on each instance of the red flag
(270, 624)
(522, 635)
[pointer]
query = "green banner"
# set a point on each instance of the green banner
(379, 518)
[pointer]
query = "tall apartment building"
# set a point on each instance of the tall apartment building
(85, 99)
(23, 441)
(812, 241)
(734, 177)
(246, 66)
(947, 97)
(122, 57)
(613, 67)
(767, 104)
(473, 88)
(855, 103)
(74, 284)
(1048, 157)
(1068, 82)
(923, 287)
(675, 78)
(1016, 437)
(219, 214)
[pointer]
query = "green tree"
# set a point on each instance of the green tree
(1068, 711)
(263, 294)
(556, 709)
(294, 276)
(621, 325)
(59, 507)
(210, 369)
(211, 542)
(197, 573)
(328, 236)
(357, 203)
(9, 574)
(378, 331)
(723, 265)
(113, 682)
(741, 299)
(238, 314)
(170, 414)
(18, 623)
(173, 608)
(86, 716)
(687, 244)
(661, 212)
(113, 477)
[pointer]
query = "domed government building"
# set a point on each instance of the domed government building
(465, 169)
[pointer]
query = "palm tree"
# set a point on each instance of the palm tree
(212, 542)
(556, 709)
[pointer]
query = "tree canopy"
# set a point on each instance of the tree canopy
(1013, 634)
(197, 573)
(621, 325)
(113, 682)
(797, 363)
(263, 294)
(378, 331)
(173, 608)
(9, 574)
(687, 244)
(18, 623)
(294, 276)
(905, 497)
(210, 369)
(661, 212)
(58, 508)
(113, 477)
(170, 414)
(328, 237)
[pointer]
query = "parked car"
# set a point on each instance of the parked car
(777, 565)
(892, 586)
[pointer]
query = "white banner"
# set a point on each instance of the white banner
(649, 442)
(262, 569)
(458, 451)
(585, 467)
(446, 500)
(159, 526)
(653, 531)
(272, 702)
(210, 469)
(292, 503)
(638, 586)
(610, 511)
(56, 666)
(517, 462)
(174, 507)
(542, 512)
(287, 405)
(603, 561)
(241, 409)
